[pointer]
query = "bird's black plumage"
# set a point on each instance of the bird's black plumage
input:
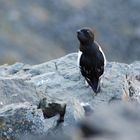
(92, 60)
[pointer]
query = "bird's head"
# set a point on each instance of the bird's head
(85, 36)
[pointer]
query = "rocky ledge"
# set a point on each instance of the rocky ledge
(32, 96)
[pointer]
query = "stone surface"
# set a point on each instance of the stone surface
(20, 119)
(16, 90)
(73, 114)
(51, 108)
(60, 79)
(117, 122)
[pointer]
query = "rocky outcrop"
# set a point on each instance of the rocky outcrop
(20, 119)
(61, 79)
(57, 80)
(117, 122)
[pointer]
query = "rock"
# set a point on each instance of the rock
(59, 82)
(107, 123)
(61, 78)
(112, 122)
(24, 120)
(17, 90)
(73, 114)
(87, 108)
(67, 81)
(51, 107)
(20, 119)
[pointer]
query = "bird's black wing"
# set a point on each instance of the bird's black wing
(99, 59)
(89, 72)
(99, 69)
(87, 67)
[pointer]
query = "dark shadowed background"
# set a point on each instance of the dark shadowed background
(35, 31)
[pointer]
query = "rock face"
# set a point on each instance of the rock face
(20, 119)
(59, 79)
(52, 108)
(117, 122)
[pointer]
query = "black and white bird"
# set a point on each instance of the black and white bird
(91, 59)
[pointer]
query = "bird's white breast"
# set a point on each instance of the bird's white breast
(78, 59)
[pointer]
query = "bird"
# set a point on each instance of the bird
(91, 58)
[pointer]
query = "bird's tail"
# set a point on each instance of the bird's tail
(95, 84)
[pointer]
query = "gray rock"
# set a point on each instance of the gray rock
(73, 114)
(112, 122)
(16, 90)
(67, 81)
(61, 79)
(51, 108)
(20, 119)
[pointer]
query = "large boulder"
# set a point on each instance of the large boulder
(20, 119)
(59, 80)
(116, 122)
